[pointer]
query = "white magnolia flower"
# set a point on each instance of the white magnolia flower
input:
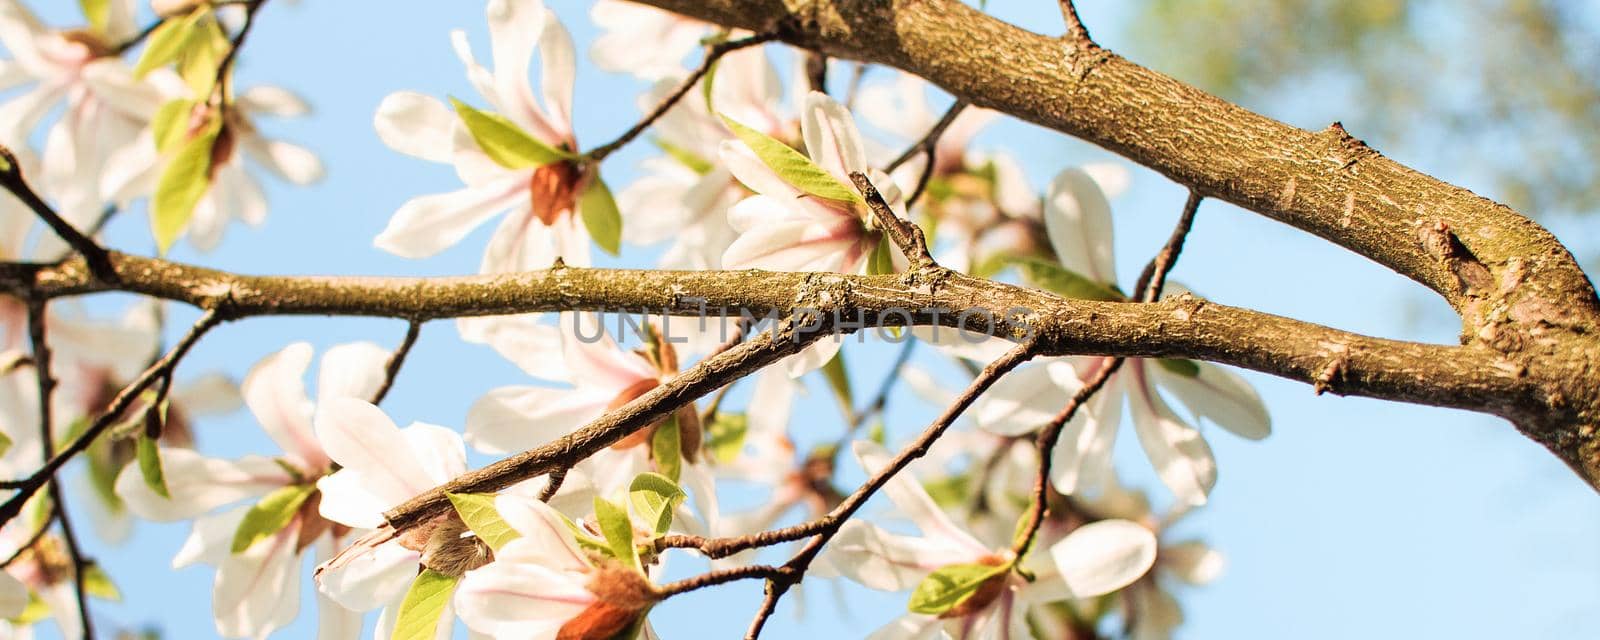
(257, 589)
(1078, 219)
(1092, 560)
(105, 105)
(543, 222)
(542, 586)
(381, 466)
(135, 170)
(645, 41)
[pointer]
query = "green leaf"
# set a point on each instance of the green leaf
(423, 606)
(878, 433)
(271, 515)
(684, 156)
(167, 42)
(1179, 366)
(504, 142)
(725, 435)
(791, 166)
(600, 216)
(202, 56)
(5, 443)
(708, 84)
(882, 260)
(950, 586)
(666, 446)
(618, 530)
(478, 511)
(149, 456)
(1061, 280)
(949, 491)
(97, 12)
(586, 541)
(182, 184)
(839, 381)
(654, 497)
(171, 123)
(98, 584)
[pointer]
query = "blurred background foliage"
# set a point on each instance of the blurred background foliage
(1500, 94)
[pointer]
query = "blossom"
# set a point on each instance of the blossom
(381, 466)
(1078, 219)
(105, 105)
(258, 570)
(542, 586)
(1091, 560)
(645, 41)
(541, 195)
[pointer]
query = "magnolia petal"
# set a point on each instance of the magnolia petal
(811, 358)
(347, 500)
(593, 358)
(831, 136)
(545, 540)
(533, 347)
(362, 439)
(291, 162)
(13, 596)
(514, 30)
(1077, 217)
(511, 419)
(557, 72)
(1023, 401)
(1113, 177)
(210, 394)
(197, 484)
(352, 370)
(429, 224)
(792, 245)
(417, 125)
(1180, 455)
(273, 101)
(210, 541)
(748, 168)
(912, 500)
(912, 626)
(372, 579)
(257, 590)
(1221, 396)
(520, 600)
(439, 450)
(880, 560)
(275, 392)
(1192, 561)
(1104, 556)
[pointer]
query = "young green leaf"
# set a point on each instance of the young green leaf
(149, 456)
(882, 260)
(1061, 280)
(202, 56)
(167, 42)
(791, 166)
(478, 511)
(98, 584)
(97, 12)
(270, 515)
(171, 123)
(654, 498)
(666, 447)
(600, 216)
(1179, 366)
(684, 156)
(950, 491)
(725, 435)
(504, 142)
(185, 180)
(585, 541)
(839, 381)
(618, 530)
(950, 586)
(708, 84)
(423, 606)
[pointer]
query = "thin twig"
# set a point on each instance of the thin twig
(1075, 28)
(1154, 276)
(904, 233)
(397, 360)
(47, 432)
(31, 485)
(720, 576)
(712, 55)
(39, 534)
(931, 138)
(224, 81)
(817, 71)
(553, 485)
(11, 178)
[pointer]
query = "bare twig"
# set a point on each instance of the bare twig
(905, 234)
(224, 81)
(928, 146)
(1154, 276)
(12, 179)
(397, 360)
(717, 577)
(706, 65)
(47, 432)
(1075, 28)
(38, 534)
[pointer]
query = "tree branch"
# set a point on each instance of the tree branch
(47, 434)
(12, 180)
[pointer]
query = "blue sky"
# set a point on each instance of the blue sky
(1356, 518)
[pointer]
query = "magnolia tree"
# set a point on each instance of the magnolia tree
(785, 228)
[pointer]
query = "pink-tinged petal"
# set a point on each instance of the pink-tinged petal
(417, 125)
(210, 541)
(291, 162)
(442, 454)
(197, 484)
(749, 90)
(130, 172)
(1221, 396)
(913, 501)
(753, 173)
(1077, 217)
(13, 596)
(880, 560)
(257, 590)
(511, 419)
(429, 224)
(275, 392)
(1082, 457)
(480, 77)
(334, 622)
(514, 30)
(113, 84)
(518, 600)
(1012, 191)
(595, 361)
(521, 243)
(1104, 556)
(534, 347)
(362, 439)
(21, 32)
(347, 500)
(831, 136)
(793, 245)
(557, 72)
(545, 540)
(1159, 613)
(911, 626)
(352, 370)
(1113, 177)
(1025, 400)
(811, 358)
(373, 579)
(20, 115)
(1192, 562)
(1176, 449)
(702, 488)
(644, 41)
(273, 101)
(61, 600)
